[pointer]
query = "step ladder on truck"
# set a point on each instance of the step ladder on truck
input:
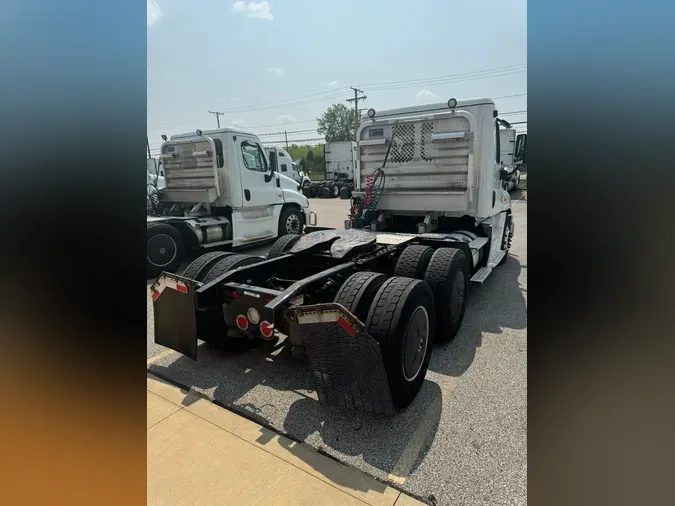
(364, 305)
(221, 192)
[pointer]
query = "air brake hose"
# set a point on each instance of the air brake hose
(363, 209)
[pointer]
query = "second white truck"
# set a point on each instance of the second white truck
(221, 191)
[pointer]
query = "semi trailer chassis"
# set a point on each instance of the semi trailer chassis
(292, 292)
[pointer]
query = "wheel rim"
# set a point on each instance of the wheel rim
(415, 345)
(162, 250)
(457, 295)
(293, 224)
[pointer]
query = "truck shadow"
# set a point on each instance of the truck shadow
(493, 307)
(271, 387)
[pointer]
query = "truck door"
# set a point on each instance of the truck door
(259, 191)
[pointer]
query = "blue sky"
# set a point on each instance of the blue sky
(276, 65)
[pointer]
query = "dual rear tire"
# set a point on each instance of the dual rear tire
(399, 314)
(423, 303)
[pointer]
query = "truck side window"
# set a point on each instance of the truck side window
(253, 157)
(219, 152)
(284, 167)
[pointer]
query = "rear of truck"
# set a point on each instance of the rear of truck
(191, 171)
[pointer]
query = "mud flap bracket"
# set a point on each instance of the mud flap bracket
(346, 362)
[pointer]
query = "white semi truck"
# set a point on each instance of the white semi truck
(365, 305)
(507, 143)
(220, 192)
(340, 160)
(286, 166)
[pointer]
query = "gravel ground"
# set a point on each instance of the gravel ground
(462, 441)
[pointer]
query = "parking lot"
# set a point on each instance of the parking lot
(461, 442)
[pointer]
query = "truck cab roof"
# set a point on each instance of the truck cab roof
(231, 130)
(435, 107)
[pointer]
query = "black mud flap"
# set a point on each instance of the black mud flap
(175, 314)
(346, 362)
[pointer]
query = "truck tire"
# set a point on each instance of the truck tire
(344, 193)
(290, 221)
(325, 192)
(228, 263)
(402, 320)
(413, 261)
(200, 265)
(282, 245)
(358, 291)
(448, 277)
(335, 190)
(165, 248)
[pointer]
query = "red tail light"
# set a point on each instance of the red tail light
(242, 322)
(266, 329)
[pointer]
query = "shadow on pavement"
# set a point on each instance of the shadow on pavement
(268, 385)
(495, 305)
(242, 382)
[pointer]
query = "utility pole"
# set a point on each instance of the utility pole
(356, 107)
(217, 115)
(286, 136)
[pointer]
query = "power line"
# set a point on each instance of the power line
(320, 138)
(314, 119)
(495, 69)
(391, 85)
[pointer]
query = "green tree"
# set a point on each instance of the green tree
(337, 124)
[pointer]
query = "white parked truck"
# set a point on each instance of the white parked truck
(340, 160)
(507, 146)
(287, 167)
(220, 192)
(520, 156)
(365, 305)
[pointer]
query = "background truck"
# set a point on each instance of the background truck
(340, 160)
(520, 157)
(507, 146)
(287, 167)
(365, 305)
(220, 191)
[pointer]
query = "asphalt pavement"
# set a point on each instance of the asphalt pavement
(463, 441)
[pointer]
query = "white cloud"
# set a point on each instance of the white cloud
(286, 118)
(259, 10)
(234, 99)
(332, 83)
(154, 12)
(425, 94)
(240, 123)
(275, 71)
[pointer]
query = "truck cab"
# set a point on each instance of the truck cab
(155, 173)
(507, 149)
(287, 167)
(222, 190)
